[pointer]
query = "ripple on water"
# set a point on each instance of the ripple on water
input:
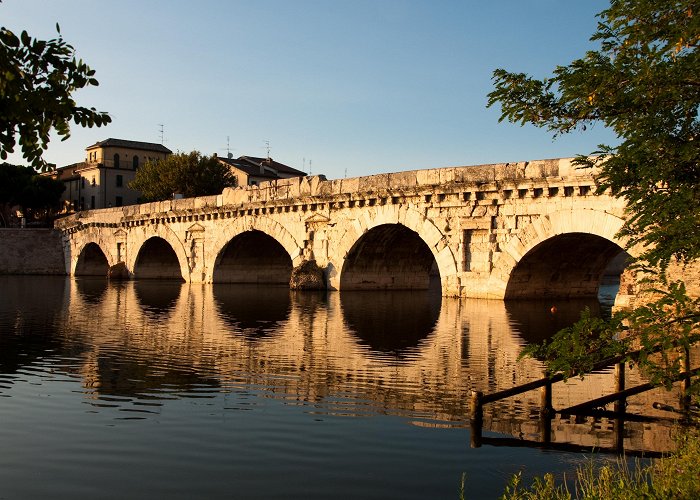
(155, 389)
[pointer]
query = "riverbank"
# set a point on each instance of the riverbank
(31, 251)
(675, 476)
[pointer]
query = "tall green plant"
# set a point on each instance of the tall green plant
(643, 82)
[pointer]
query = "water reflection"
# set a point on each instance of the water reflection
(91, 288)
(251, 310)
(391, 322)
(537, 320)
(141, 344)
(157, 297)
(30, 309)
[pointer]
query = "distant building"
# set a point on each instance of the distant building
(251, 170)
(102, 180)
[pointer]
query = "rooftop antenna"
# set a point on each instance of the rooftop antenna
(309, 166)
(162, 133)
(346, 172)
(229, 154)
(267, 145)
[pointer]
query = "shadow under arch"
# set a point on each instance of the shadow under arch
(157, 260)
(250, 310)
(390, 256)
(569, 265)
(391, 322)
(253, 257)
(92, 261)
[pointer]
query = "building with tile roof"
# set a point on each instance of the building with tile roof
(251, 170)
(102, 180)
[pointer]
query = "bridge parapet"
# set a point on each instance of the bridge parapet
(527, 177)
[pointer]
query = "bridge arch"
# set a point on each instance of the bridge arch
(561, 254)
(393, 223)
(161, 238)
(92, 261)
(239, 238)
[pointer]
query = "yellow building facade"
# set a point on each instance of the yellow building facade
(102, 180)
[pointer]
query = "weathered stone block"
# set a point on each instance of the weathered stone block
(403, 180)
(307, 276)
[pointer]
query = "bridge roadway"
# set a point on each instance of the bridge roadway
(515, 230)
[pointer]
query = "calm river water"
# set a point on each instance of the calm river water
(168, 390)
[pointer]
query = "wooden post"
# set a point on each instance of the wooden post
(476, 418)
(546, 399)
(620, 407)
(686, 382)
(620, 386)
(546, 412)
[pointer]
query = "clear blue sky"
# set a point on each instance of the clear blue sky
(360, 86)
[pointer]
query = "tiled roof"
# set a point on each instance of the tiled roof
(123, 143)
(251, 166)
(280, 167)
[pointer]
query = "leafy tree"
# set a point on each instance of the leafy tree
(643, 82)
(189, 174)
(37, 78)
(38, 196)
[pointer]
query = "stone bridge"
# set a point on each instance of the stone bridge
(514, 230)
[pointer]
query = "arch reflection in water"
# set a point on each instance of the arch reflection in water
(538, 320)
(394, 322)
(91, 289)
(323, 352)
(255, 311)
(157, 298)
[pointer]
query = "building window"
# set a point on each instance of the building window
(93, 180)
(118, 201)
(116, 160)
(82, 182)
(92, 202)
(135, 162)
(120, 181)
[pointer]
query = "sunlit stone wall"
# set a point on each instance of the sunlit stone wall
(479, 224)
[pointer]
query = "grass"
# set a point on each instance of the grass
(676, 477)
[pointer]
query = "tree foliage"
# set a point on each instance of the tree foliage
(37, 196)
(37, 79)
(189, 174)
(644, 83)
(655, 336)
